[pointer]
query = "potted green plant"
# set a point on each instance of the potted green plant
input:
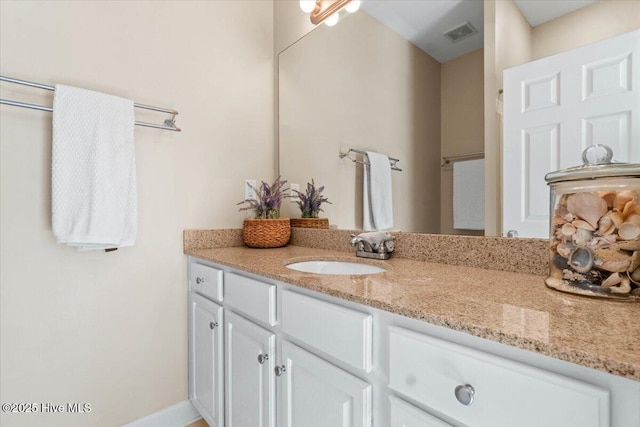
(266, 229)
(310, 207)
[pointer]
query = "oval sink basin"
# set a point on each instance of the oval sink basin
(335, 267)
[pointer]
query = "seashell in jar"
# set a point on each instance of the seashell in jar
(616, 217)
(581, 259)
(613, 280)
(565, 249)
(568, 230)
(581, 237)
(623, 288)
(634, 218)
(635, 276)
(605, 226)
(608, 197)
(555, 282)
(558, 220)
(611, 260)
(588, 207)
(580, 223)
(623, 198)
(629, 209)
(629, 231)
(599, 242)
(568, 217)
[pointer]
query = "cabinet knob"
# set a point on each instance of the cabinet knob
(279, 370)
(199, 280)
(262, 358)
(464, 394)
(213, 325)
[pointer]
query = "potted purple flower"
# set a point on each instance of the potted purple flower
(310, 207)
(266, 229)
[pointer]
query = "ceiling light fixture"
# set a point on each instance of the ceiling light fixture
(327, 10)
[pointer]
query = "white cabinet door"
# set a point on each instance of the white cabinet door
(250, 379)
(319, 394)
(206, 364)
(554, 108)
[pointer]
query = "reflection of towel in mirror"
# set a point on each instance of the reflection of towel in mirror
(375, 238)
(468, 195)
(377, 204)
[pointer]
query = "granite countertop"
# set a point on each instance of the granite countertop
(511, 308)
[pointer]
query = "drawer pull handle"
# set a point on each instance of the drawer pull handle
(213, 325)
(464, 394)
(262, 358)
(199, 280)
(279, 370)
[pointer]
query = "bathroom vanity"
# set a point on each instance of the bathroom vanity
(422, 344)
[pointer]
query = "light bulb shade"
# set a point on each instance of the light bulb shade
(332, 20)
(353, 6)
(307, 6)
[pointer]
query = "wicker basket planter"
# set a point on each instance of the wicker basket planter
(310, 222)
(266, 233)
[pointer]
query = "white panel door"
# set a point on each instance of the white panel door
(319, 394)
(556, 107)
(206, 366)
(250, 381)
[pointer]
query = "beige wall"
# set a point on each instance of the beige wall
(599, 21)
(290, 24)
(387, 99)
(507, 42)
(462, 123)
(111, 329)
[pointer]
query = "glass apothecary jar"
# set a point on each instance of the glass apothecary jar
(595, 227)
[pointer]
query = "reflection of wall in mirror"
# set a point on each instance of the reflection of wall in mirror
(510, 40)
(387, 100)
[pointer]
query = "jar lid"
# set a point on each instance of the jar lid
(598, 163)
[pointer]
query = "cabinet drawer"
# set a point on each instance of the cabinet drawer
(404, 414)
(506, 393)
(206, 280)
(338, 331)
(252, 297)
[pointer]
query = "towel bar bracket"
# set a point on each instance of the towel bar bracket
(392, 160)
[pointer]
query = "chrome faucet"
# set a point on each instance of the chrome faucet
(376, 245)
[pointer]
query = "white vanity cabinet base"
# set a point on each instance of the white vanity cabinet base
(250, 381)
(340, 332)
(318, 394)
(206, 368)
(404, 414)
(507, 393)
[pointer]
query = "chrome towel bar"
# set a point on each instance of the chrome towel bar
(169, 124)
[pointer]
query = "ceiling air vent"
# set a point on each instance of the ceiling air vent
(460, 32)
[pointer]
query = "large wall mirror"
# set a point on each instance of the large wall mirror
(385, 79)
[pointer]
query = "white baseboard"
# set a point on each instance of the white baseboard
(178, 415)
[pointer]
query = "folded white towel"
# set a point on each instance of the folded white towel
(375, 238)
(376, 193)
(93, 172)
(468, 195)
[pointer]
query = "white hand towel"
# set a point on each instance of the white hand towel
(376, 193)
(93, 173)
(468, 195)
